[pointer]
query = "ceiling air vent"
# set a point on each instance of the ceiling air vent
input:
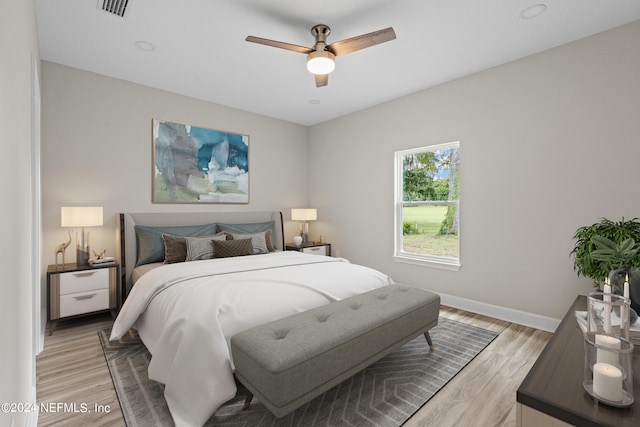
(116, 7)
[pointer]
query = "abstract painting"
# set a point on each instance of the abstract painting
(199, 165)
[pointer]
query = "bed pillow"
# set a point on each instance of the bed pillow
(268, 236)
(251, 228)
(150, 246)
(231, 248)
(175, 248)
(258, 240)
(201, 247)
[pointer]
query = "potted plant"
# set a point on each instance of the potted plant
(609, 249)
(620, 259)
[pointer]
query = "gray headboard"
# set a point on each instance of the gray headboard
(126, 246)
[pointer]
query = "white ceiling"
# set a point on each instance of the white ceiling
(200, 49)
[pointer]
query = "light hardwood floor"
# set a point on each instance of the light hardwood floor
(72, 370)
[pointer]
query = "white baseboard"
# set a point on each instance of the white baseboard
(531, 320)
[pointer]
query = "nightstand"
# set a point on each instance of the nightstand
(311, 248)
(74, 290)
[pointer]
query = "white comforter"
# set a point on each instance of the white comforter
(202, 304)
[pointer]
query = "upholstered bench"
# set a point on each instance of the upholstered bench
(288, 362)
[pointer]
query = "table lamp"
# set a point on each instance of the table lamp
(81, 216)
(304, 215)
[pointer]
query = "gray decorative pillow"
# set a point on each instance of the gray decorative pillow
(258, 240)
(251, 228)
(231, 248)
(150, 246)
(200, 247)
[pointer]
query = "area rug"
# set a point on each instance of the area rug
(386, 394)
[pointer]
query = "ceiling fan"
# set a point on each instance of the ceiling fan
(320, 57)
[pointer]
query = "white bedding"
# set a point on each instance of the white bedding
(186, 313)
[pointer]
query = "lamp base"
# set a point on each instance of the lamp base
(82, 257)
(82, 248)
(304, 231)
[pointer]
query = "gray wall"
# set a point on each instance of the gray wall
(548, 143)
(96, 151)
(19, 51)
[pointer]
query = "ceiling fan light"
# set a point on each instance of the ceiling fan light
(321, 62)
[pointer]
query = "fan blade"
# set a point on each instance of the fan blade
(345, 46)
(322, 80)
(281, 45)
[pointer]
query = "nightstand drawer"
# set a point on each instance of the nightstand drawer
(77, 289)
(83, 281)
(316, 250)
(84, 302)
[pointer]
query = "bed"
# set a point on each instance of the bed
(187, 311)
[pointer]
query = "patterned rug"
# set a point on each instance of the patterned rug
(385, 394)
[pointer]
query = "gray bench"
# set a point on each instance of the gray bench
(288, 362)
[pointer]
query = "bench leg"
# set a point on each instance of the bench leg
(428, 337)
(247, 401)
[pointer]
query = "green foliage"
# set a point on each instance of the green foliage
(441, 189)
(447, 222)
(448, 226)
(605, 246)
(417, 185)
(408, 228)
(418, 177)
(616, 255)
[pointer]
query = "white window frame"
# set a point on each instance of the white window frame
(448, 263)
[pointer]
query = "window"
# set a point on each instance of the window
(427, 214)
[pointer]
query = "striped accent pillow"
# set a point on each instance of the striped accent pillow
(201, 247)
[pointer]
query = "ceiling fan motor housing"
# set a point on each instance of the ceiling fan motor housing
(320, 32)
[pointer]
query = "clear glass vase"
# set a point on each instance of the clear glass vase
(608, 375)
(608, 314)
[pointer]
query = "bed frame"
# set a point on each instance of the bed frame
(126, 246)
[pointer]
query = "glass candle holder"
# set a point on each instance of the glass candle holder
(608, 314)
(608, 376)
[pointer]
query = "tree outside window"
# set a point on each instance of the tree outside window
(427, 204)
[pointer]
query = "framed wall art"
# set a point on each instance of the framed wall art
(199, 165)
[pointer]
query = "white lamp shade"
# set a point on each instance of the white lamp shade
(81, 216)
(304, 214)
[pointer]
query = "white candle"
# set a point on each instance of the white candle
(624, 309)
(604, 356)
(625, 292)
(607, 382)
(607, 308)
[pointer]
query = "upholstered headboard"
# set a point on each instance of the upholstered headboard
(126, 222)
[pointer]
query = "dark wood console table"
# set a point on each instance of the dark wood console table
(553, 386)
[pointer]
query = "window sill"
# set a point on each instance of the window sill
(444, 264)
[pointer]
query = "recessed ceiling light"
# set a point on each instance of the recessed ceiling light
(314, 101)
(143, 45)
(533, 11)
